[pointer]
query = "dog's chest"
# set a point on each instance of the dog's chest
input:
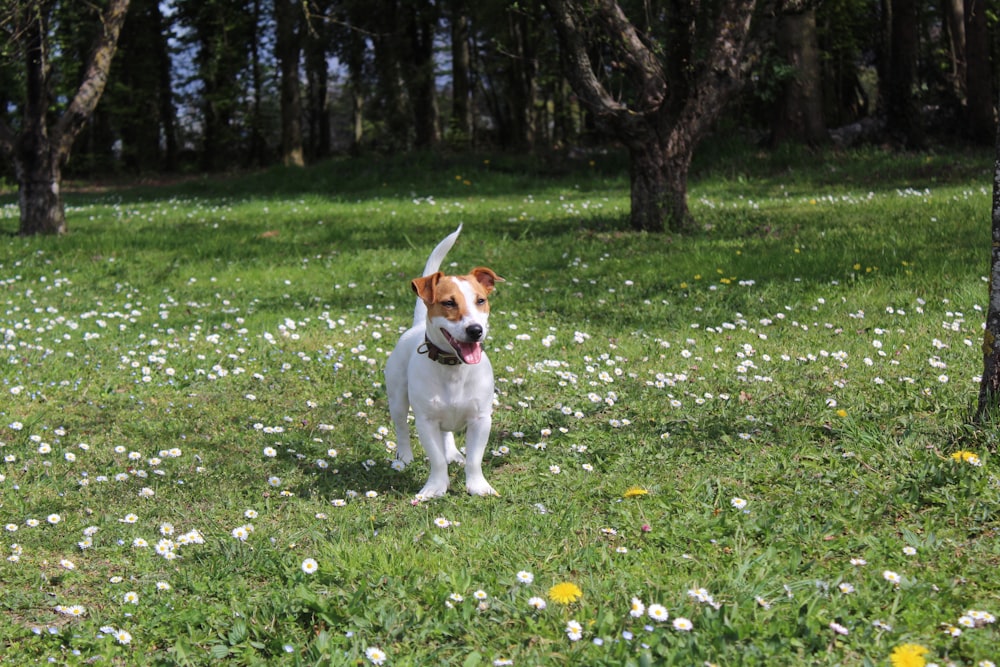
(452, 395)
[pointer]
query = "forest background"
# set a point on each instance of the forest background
(222, 85)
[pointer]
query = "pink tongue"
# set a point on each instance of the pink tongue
(471, 353)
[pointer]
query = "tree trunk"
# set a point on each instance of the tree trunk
(355, 57)
(287, 16)
(954, 13)
(388, 47)
(39, 151)
(461, 84)
(522, 69)
(979, 82)
(658, 174)
(35, 160)
(902, 107)
(421, 21)
(258, 145)
(989, 386)
(318, 108)
(39, 198)
(671, 106)
(800, 114)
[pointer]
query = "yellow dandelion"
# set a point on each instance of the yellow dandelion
(565, 593)
(968, 457)
(908, 655)
(635, 492)
(842, 412)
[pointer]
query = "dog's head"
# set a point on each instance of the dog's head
(458, 308)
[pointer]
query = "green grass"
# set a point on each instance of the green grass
(812, 351)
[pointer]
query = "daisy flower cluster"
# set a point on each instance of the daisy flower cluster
(233, 421)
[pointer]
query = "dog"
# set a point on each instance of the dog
(439, 368)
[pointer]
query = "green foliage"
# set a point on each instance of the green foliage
(755, 427)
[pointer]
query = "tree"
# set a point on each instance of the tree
(288, 21)
(41, 147)
(989, 386)
(898, 74)
(677, 75)
(461, 73)
(979, 77)
(799, 115)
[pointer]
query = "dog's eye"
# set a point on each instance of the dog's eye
(450, 303)
(480, 301)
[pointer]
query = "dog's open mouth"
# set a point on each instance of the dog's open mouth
(469, 353)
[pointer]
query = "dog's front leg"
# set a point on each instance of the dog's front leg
(432, 439)
(476, 438)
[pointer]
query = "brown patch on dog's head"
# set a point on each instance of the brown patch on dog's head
(443, 297)
(424, 287)
(486, 277)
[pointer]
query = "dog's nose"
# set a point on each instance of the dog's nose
(474, 331)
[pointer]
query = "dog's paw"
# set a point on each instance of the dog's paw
(432, 490)
(404, 456)
(480, 488)
(455, 456)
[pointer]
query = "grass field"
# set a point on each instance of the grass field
(748, 446)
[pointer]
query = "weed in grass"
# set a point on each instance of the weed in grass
(745, 447)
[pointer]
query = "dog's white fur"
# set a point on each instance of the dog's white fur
(452, 312)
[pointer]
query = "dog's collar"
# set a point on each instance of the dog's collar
(435, 353)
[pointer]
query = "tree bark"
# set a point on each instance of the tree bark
(800, 113)
(902, 108)
(421, 21)
(989, 386)
(40, 151)
(288, 19)
(461, 81)
(978, 76)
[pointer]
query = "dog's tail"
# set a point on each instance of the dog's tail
(432, 266)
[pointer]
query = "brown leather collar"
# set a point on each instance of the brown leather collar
(435, 353)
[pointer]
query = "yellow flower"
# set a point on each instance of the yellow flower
(908, 655)
(565, 593)
(968, 457)
(842, 412)
(635, 492)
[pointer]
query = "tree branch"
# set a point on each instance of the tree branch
(581, 70)
(94, 80)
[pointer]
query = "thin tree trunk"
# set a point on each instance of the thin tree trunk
(421, 20)
(979, 82)
(287, 14)
(165, 93)
(902, 111)
(461, 84)
(989, 387)
(800, 116)
(954, 11)
(258, 145)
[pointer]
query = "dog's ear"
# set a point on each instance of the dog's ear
(424, 287)
(486, 277)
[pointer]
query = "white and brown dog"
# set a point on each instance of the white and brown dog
(440, 369)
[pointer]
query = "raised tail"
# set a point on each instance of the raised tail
(433, 265)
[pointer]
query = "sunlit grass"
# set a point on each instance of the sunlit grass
(739, 446)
